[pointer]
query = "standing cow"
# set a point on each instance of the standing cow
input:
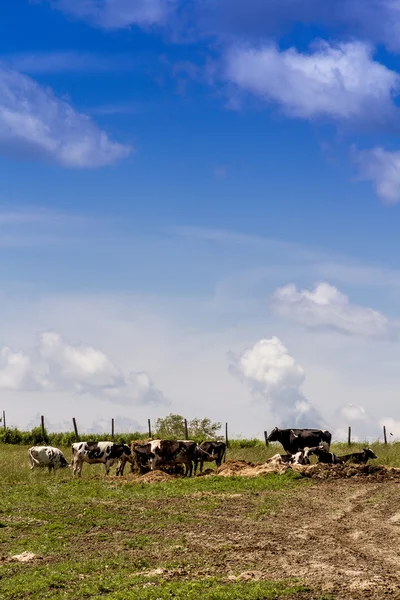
(47, 456)
(294, 440)
(208, 452)
(106, 453)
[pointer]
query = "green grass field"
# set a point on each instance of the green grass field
(115, 538)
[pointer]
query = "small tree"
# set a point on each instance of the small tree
(173, 427)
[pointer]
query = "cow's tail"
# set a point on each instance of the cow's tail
(33, 458)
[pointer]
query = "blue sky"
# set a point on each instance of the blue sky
(203, 194)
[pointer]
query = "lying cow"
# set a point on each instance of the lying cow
(100, 452)
(209, 452)
(294, 440)
(47, 456)
(359, 457)
(300, 458)
(323, 456)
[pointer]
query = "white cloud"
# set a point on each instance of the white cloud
(274, 377)
(116, 14)
(35, 123)
(326, 306)
(54, 364)
(382, 167)
(341, 82)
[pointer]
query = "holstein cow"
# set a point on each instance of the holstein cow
(294, 440)
(208, 452)
(300, 458)
(359, 457)
(323, 456)
(166, 453)
(100, 452)
(47, 456)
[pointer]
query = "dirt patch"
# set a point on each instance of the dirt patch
(368, 472)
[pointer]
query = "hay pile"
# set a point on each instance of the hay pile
(248, 469)
(155, 477)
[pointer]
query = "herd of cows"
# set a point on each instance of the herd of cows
(184, 456)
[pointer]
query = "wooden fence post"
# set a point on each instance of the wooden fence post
(349, 437)
(4, 420)
(43, 430)
(75, 429)
(112, 429)
(384, 434)
(266, 439)
(186, 430)
(226, 435)
(149, 424)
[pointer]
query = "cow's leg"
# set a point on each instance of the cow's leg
(121, 465)
(195, 463)
(77, 466)
(189, 467)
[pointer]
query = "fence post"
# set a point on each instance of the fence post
(76, 430)
(4, 420)
(186, 430)
(349, 437)
(42, 425)
(384, 434)
(112, 429)
(226, 435)
(266, 439)
(149, 424)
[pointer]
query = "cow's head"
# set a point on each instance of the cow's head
(64, 463)
(274, 435)
(370, 453)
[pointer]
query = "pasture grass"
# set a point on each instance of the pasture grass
(108, 537)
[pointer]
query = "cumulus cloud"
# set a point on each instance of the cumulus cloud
(274, 377)
(326, 307)
(56, 365)
(340, 82)
(116, 14)
(35, 123)
(382, 167)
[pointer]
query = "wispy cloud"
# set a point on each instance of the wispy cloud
(39, 63)
(382, 167)
(340, 82)
(117, 14)
(35, 124)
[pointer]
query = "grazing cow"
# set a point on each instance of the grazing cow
(208, 452)
(100, 452)
(173, 452)
(323, 456)
(47, 456)
(359, 457)
(294, 440)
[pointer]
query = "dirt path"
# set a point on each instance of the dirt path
(341, 537)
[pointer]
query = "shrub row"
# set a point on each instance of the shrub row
(35, 438)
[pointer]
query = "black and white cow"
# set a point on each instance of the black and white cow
(209, 452)
(100, 452)
(299, 458)
(359, 457)
(47, 456)
(294, 440)
(323, 456)
(166, 454)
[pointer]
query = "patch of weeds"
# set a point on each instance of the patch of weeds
(139, 541)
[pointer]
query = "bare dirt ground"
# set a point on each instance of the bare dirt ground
(340, 535)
